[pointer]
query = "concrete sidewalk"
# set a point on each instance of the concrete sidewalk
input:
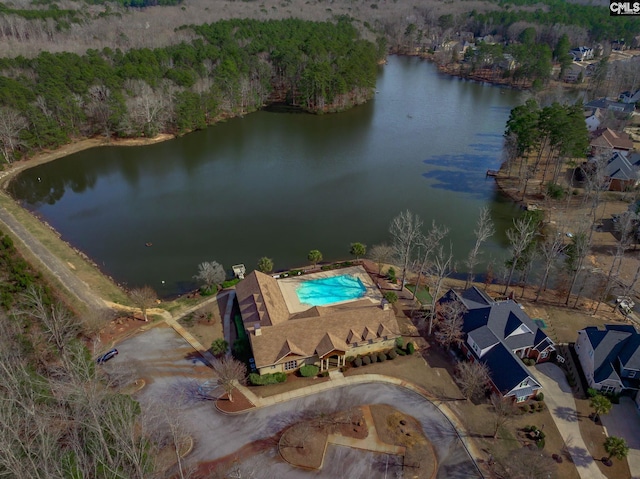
(559, 399)
(624, 421)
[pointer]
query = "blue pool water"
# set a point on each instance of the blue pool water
(325, 291)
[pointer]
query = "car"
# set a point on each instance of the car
(106, 356)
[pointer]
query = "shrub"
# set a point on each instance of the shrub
(411, 348)
(400, 352)
(540, 443)
(262, 380)
(555, 191)
(391, 296)
(399, 342)
(366, 360)
(540, 397)
(357, 362)
(374, 358)
(524, 408)
(324, 374)
(230, 282)
(382, 357)
(592, 392)
(391, 274)
(392, 354)
(540, 406)
(309, 370)
(528, 428)
(349, 359)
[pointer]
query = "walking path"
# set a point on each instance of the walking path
(559, 399)
(57, 267)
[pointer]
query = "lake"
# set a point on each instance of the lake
(280, 184)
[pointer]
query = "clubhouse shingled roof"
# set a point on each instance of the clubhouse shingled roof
(318, 330)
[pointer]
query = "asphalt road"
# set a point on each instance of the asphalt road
(173, 373)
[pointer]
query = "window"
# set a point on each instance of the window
(289, 365)
(607, 389)
(544, 354)
(632, 374)
(521, 398)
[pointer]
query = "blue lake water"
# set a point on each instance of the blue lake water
(280, 184)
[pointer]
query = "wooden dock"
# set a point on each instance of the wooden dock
(493, 172)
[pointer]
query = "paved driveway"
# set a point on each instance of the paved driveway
(624, 421)
(562, 406)
(164, 357)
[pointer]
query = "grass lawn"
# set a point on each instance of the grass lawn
(423, 293)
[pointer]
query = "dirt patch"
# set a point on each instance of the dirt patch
(205, 324)
(240, 403)
(394, 427)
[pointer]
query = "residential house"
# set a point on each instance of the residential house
(623, 172)
(611, 105)
(500, 335)
(286, 334)
(610, 358)
(575, 73)
(508, 62)
(580, 54)
(593, 117)
(630, 96)
(618, 45)
(605, 141)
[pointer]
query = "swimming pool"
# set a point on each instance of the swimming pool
(334, 289)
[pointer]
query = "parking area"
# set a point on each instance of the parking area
(173, 371)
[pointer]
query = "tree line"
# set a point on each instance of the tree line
(558, 12)
(233, 67)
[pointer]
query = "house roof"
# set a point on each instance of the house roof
(260, 300)
(615, 344)
(318, 330)
(338, 329)
(507, 371)
(506, 327)
(483, 337)
(621, 167)
(607, 138)
(611, 105)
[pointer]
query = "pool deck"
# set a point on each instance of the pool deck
(289, 285)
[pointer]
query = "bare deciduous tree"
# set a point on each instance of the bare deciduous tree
(427, 245)
(143, 298)
(549, 252)
(59, 324)
(449, 330)
(520, 236)
(503, 412)
(211, 273)
(381, 254)
(484, 230)
(405, 231)
(441, 267)
(473, 378)
(230, 371)
(11, 124)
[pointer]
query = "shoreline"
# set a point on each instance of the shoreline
(74, 146)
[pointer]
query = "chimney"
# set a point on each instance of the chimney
(257, 330)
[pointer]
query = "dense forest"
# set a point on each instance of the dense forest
(233, 67)
(559, 12)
